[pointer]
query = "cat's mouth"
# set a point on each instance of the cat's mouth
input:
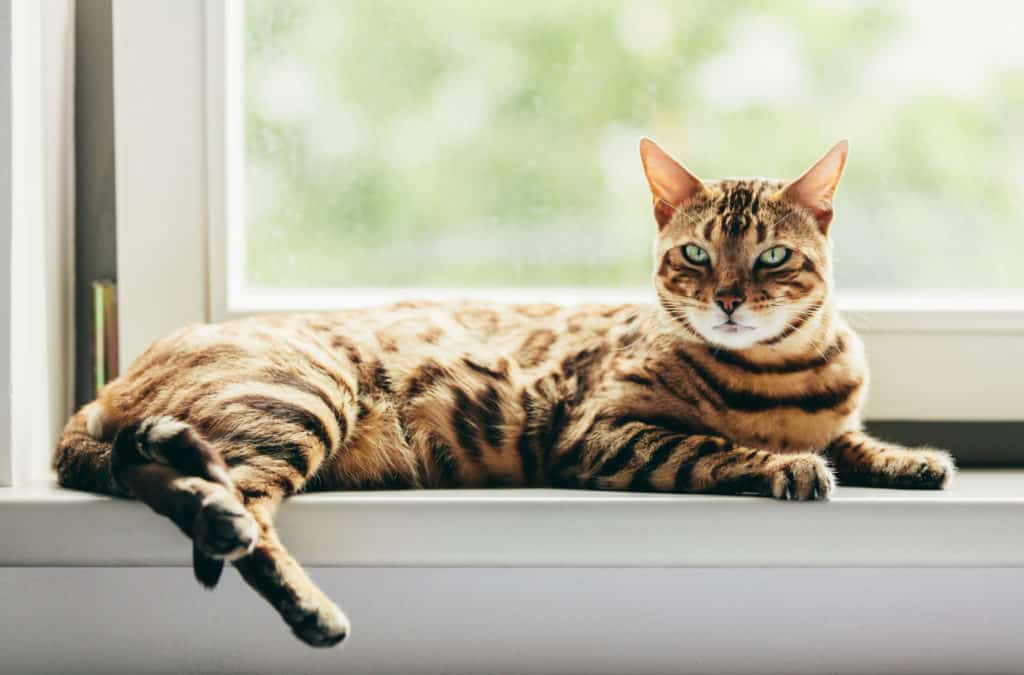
(731, 327)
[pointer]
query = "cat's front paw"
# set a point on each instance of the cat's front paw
(223, 528)
(801, 477)
(920, 468)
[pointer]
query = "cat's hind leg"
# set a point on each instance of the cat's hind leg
(178, 474)
(228, 514)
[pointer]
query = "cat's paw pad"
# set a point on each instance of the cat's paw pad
(802, 478)
(223, 528)
(323, 626)
(926, 469)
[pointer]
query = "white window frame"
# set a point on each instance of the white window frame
(35, 238)
(7, 221)
(179, 151)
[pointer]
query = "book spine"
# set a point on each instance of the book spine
(105, 339)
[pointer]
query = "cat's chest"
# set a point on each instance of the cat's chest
(789, 412)
(786, 429)
(786, 411)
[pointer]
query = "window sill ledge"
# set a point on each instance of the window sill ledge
(974, 524)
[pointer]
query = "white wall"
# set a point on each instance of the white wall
(161, 173)
(494, 620)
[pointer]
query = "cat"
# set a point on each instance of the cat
(736, 381)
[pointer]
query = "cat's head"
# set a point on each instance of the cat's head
(742, 262)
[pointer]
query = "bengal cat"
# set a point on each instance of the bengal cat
(735, 382)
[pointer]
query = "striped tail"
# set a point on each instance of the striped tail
(82, 459)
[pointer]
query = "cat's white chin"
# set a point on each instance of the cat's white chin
(741, 331)
(733, 336)
(730, 328)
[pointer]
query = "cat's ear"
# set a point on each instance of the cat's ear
(814, 189)
(671, 184)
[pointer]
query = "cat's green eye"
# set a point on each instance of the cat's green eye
(774, 256)
(696, 255)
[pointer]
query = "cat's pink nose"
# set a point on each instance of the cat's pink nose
(729, 301)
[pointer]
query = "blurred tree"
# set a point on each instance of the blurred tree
(453, 143)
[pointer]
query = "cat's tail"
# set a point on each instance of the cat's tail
(82, 459)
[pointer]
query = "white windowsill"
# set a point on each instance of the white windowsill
(977, 523)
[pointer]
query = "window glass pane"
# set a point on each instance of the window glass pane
(453, 143)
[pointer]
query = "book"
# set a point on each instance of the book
(105, 342)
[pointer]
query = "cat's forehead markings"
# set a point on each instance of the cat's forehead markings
(736, 208)
(738, 205)
(709, 227)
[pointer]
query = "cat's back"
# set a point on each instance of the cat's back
(398, 338)
(375, 380)
(525, 332)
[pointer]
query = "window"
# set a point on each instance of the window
(462, 145)
(260, 156)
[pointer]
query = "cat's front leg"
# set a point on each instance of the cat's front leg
(633, 454)
(863, 460)
(802, 477)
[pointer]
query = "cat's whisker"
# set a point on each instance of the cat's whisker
(800, 331)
